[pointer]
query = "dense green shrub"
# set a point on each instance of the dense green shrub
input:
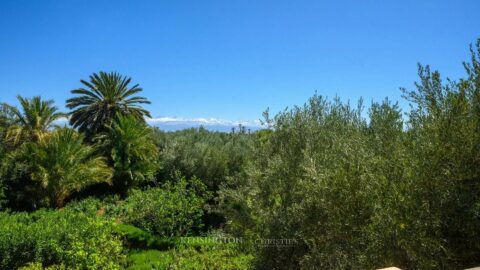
(357, 192)
(149, 259)
(24, 194)
(191, 259)
(175, 209)
(39, 266)
(213, 256)
(207, 258)
(108, 207)
(58, 237)
(312, 182)
(213, 157)
(135, 238)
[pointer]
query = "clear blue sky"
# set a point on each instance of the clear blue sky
(231, 59)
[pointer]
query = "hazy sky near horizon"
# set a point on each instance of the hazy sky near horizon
(232, 59)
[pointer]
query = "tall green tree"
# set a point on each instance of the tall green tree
(62, 164)
(6, 120)
(213, 157)
(29, 124)
(33, 120)
(357, 192)
(104, 96)
(129, 145)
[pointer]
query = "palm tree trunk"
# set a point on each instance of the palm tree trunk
(60, 199)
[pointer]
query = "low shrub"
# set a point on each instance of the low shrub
(134, 237)
(108, 207)
(175, 209)
(209, 258)
(58, 237)
(219, 256)
(149, 259)
(39, 266)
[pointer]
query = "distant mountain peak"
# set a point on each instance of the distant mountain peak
(177, 123)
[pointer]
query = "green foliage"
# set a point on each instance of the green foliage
(365, 193)
(6, 121)
(149, 259)
(215, 256)
(209, 258)
(108, 206)
(29, 124)
(345, 187)
(133, 233)
(23, 193)
(138, 238)
(105, 96)
(129, 145)
(32, 122)
(213, 157)
(444, 184)
(39, 266)
(62, 164)
(58, 237)
(173, 210)
(7, 116)
(311, 181)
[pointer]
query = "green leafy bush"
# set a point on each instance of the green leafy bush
(186, 256)
(39, 266)
(149, 259)
(213, 157)
(357, 192)
(107, 207)
(136, 238)
(175, 209)
(209, 258)
(58, 237)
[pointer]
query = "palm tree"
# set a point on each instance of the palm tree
(33, 121)
(105, 96)
(129, 145)
(62, 164)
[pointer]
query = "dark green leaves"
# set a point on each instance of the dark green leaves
(105, 96)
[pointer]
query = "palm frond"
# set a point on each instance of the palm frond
(105, 96)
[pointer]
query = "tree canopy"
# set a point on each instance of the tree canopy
(105, 96)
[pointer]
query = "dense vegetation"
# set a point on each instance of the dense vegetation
(326, 185)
